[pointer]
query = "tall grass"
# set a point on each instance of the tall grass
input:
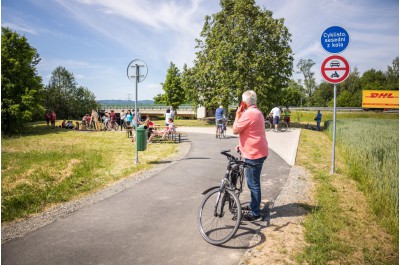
(48, 166)
(342, 228)
(371, 150)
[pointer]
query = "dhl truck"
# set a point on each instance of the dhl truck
(380, 99)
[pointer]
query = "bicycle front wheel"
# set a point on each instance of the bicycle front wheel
(219, 216)
(268, 125)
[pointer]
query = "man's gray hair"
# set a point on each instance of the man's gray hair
(250, 97)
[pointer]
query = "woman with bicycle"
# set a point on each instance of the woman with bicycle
(249, 124)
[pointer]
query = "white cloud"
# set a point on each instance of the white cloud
(21, 28)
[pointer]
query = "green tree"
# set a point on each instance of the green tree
(20, 84)
(59, 94)
(322, 95)
(160, 99)
(84, 100)
(63, 95)
(392, 75)
(373, 80)
(188, 83)
(352, 82)
(345, 99)
(309, 79)
(291, 95)
(174, 94)
(241, 47)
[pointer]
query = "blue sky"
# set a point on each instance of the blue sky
(97, 39)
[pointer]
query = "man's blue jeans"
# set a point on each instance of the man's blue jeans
(318, 125)
(253, 174)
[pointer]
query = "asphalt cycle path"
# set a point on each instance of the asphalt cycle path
(153, 222)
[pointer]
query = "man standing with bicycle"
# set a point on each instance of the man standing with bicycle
(250, 126)
(220, 117)
(276, 114)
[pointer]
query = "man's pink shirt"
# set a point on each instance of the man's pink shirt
(252, 140)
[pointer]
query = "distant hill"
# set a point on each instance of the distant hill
(124, 102)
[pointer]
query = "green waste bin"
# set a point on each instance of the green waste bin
(141, 134)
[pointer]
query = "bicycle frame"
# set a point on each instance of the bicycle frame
(226, 183)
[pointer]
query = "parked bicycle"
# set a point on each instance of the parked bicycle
(220, 211)
(282, 125)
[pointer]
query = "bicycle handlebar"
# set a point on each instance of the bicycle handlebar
(235, 159)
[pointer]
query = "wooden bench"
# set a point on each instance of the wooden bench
(174, 137)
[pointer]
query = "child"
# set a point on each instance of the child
(171, 128)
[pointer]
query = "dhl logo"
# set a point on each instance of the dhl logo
(381, 95)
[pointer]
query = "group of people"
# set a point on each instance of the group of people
(152, 130)
(276, 113)
(126, 120)
(275, 116)
(69, 125)
(50, 118)
(169, 123)
(90, 121)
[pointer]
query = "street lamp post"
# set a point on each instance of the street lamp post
(136, 71)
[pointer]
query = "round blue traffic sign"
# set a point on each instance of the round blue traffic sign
(335, 39)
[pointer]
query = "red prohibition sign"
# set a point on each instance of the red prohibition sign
(335, 69)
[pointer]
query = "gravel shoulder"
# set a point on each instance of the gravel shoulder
(283, 230)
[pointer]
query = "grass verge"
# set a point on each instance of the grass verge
(47, 166)
(308, 116)
(342, 229)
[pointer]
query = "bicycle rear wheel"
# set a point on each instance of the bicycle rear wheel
(219, 225)
(221, 132)
(282, 126)
(218, 133)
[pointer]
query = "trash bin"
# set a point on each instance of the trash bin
(141, 134)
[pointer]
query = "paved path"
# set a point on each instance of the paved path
(153, 222)
(283, 143)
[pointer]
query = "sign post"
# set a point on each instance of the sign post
(335, 69)
(136, 71)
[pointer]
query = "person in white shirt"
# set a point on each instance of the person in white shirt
(276, 114)
(122, 119)
(167, 115)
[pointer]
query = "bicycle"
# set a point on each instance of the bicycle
(220, 133)
(282, 125)
(220, 212)
(108, 126)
